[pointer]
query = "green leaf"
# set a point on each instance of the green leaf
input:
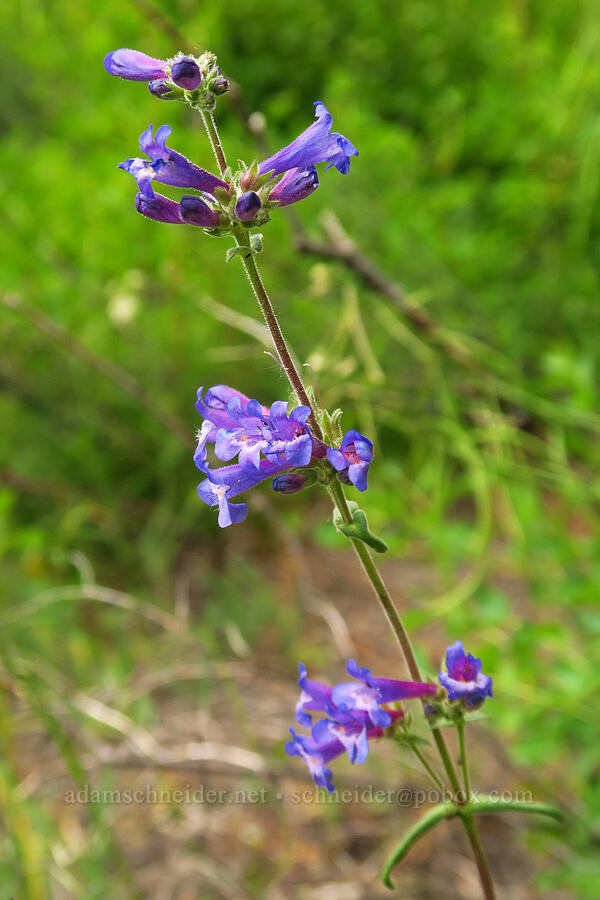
(431, 818)
(256, 242)
(479, 806)
(358, 529)
(236, 251)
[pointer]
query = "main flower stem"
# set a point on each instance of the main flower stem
(338, 497)
(460, 727)
(242, 239)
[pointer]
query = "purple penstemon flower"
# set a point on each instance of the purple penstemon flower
(314, 695)
(221, 485)
(351, 727)
(316, 756)
(316, 144)
(134, 65)
(167, 166)
(159, 208)
(464, 679)
(353, 458)
(246, 428)
(372, 692)
(352, 715)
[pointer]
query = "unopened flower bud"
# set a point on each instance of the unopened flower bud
(163, 90)
(289, 483)
(220, 86)
(195, 211)
(186, 73)
(247, 206)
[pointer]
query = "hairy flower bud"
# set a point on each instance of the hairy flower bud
(163, 90)
(247, 206)
(219, 86)
(195, 211)
(289, 483)
(186, 74)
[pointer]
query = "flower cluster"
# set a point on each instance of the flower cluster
(197, 80)
(268, 442)
(464, 679)
(244, 197)
(354, 713)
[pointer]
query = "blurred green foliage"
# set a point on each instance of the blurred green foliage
(476, 188)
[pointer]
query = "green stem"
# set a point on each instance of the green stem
(337, 494)
(272, 324)
(460, 727)
(422, 759)
(243, 240)
(215, 140)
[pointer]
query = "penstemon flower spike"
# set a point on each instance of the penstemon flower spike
(301, 447)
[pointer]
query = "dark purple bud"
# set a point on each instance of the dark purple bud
(247, 206)
(344, 477)
(186, 73)
(195, 211)
(159, 208)
(163, 90)
(289, 483)
(219, 86)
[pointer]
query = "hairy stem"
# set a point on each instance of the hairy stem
(215, 140)
(272, 324)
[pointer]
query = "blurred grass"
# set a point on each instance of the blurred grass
(477, 189)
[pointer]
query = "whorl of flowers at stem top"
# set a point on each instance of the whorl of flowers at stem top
(245, 197)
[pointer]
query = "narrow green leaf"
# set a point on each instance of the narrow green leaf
(431, 818)
(478, 806)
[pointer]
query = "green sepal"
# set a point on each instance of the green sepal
(450, 811)
(358, 528)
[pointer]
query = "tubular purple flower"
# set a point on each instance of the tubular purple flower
(159, 208)
(247, 205)
(353, 458)
(196, 211)
(316, 144)
(134, 65)
(295, 185)
(221, 485)
(186, 74)
(374, 691)
(464, 679)
(167, 166)
(314, 695)
(352, 728)
(316, 756)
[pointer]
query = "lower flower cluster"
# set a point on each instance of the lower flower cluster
(268, 442)
(354, 713)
